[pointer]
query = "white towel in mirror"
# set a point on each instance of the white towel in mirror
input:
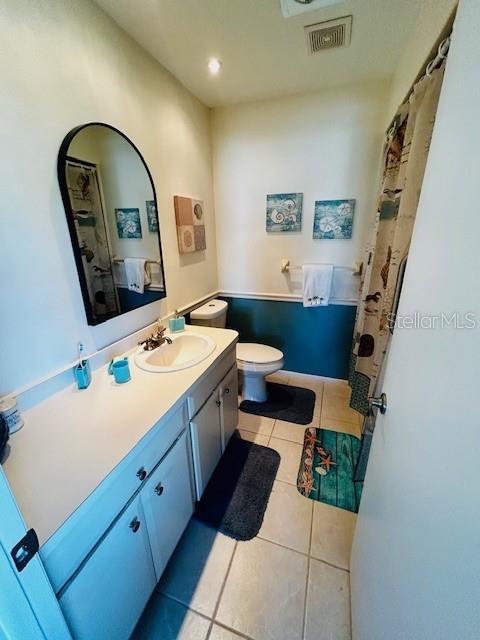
(136, 274)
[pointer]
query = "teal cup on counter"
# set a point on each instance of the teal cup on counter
(120, 370)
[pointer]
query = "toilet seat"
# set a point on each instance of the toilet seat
(258, 358)
(255, 361)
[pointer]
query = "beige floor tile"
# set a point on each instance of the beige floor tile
(337, 407)
(328, 603)
(352, 428)
(332, 534)
(255, 424)
(290, 454)
(317, 411)
(219, 633)
(264, 593)
(163, 618)
(195, 573)
(306, 381)
(292, 431)
(288, 518)
(280, 376)
(254, 437)
(338, 388)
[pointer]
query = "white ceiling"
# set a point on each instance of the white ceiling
(264, 54)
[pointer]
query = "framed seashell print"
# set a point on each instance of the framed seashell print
(284, 212)
(333, 219)
(190, 219)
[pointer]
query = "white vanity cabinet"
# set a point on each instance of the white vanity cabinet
(105, 559)
(105, 596)
(167, 501)
(206, 432)
(108, 595)
(213, 424)
(228, 392)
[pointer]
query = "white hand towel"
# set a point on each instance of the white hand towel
(135, 271)
(317, 284)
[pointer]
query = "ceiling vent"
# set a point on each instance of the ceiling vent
(329, 35)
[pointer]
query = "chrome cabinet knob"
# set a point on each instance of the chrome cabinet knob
(227, 391)
(135, 525)
(141, 474)
(159, 489)
(379, 403)
(218, 403)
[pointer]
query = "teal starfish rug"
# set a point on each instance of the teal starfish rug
(327, 468)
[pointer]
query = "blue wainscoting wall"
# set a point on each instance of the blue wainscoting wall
(316, 341)
(130, 300)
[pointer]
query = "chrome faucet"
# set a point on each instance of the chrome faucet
(156, 340)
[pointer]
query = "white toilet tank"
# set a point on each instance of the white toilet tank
(210, 314)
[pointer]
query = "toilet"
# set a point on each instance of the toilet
(254, 361)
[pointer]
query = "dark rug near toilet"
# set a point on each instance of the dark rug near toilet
(292, 404)
(236, 497)
(327, 468)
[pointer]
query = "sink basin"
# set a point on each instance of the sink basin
(186, 350)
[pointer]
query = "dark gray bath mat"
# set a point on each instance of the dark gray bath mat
(236, 497)
(292, 404)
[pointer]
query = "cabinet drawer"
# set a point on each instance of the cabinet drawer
(167, 500)
(108, 595)
(210, 382)
(65, 550)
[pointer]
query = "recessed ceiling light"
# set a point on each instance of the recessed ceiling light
(294, 7)
(214, 66)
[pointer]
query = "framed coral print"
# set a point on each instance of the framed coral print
(128, 223)
(333, 219)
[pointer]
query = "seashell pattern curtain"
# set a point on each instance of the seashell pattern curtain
(405, 158)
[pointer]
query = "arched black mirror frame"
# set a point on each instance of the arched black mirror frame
(62, 181)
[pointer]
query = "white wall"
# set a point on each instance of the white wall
(415, 560)
(65, 63)
(326, 145)
(432, 18)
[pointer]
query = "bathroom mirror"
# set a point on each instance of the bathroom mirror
(112, 216)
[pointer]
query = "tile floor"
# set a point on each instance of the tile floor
(291, 582)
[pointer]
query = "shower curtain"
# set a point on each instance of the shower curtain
(405, 158)
(90, 225)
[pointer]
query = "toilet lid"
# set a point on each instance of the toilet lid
(257, 353)
(209, 310)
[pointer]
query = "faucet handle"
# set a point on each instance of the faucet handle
(160, 330)
(148, 344)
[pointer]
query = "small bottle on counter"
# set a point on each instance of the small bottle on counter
(11, 414)
(177, 323)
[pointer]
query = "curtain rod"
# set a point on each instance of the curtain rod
(442, 53)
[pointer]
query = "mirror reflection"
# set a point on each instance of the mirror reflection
(111, 210)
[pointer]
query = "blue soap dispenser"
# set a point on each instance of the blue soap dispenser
(82, 371)
(177, 323)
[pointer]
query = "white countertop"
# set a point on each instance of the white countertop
(71, 441)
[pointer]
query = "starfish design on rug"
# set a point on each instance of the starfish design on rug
(325, 459)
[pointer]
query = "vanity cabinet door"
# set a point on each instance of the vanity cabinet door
(206, 433)
(107, 596)
(167, 501)
(229, 406)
